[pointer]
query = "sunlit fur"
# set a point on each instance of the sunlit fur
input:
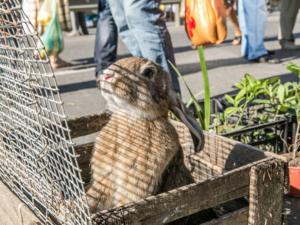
(134, 148)
(127, 90)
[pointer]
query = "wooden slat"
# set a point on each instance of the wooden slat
(238, 217)
(266, 193)
(201, 170)
(184, 201)
(12, 210)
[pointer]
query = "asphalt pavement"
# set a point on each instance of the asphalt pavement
(224, 62)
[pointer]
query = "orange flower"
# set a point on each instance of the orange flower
(190, 22)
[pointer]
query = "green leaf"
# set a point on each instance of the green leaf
(230, 111)
(239, 85)
(198, 109)
(280, 93)
(272, 80)
(199, 114)
(197, 96)
(241, 94)
(283, 108)
(250, 79)
(261, 101)
(229, 99)
(294, 68)
(261, 92)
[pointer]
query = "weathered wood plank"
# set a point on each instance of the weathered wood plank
(201, 169)
(181, 202)
(229, 154)
(266, 193)
(13, 211)
(238, 217)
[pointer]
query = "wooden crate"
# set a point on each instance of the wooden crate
(224, 170)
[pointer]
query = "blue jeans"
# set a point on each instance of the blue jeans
(252, 19)
(106, 38)
(144, 32)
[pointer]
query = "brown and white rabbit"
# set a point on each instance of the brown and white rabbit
(134, 148)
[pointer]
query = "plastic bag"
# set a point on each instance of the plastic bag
(45, 12)
(53, 36)
(205, 21)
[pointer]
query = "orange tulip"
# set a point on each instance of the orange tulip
(205, 21)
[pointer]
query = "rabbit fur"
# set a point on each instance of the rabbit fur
(134, 149)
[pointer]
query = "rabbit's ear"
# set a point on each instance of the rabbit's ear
(180, 111)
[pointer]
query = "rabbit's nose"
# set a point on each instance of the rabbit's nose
(106, 76)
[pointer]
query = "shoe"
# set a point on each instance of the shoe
(266, 59)
(237, 40)
(289, 45)
(271, 52)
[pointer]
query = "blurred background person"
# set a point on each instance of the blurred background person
(46, 17)
(288, 14)
(106, 42)
(144, 32)
(79, 24)
(252, 19)
(231, 13)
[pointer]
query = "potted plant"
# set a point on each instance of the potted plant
(294, 166)
(259, 113)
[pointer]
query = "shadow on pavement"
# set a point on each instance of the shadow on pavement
(211, 64)
(292, 209)
(282, 55)
(77, 86)
(92, 84)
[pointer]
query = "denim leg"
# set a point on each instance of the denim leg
(144, 33)
(127, 36)
(252, 19)
(106, 42)
(150, 31)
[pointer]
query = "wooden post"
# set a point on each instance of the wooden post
(266, 193)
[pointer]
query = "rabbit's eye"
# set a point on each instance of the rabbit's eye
(148, 72)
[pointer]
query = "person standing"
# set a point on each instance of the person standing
(106, 42)
(288, 14)
(252, 18)
(144, 32)
(45, 18)
(230, 12)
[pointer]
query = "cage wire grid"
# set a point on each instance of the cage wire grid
(37, 158)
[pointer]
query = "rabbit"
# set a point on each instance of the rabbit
(134, 149)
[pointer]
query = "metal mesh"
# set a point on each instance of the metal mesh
(37, 159)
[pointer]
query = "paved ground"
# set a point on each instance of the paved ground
(224, 63)
(292, 210)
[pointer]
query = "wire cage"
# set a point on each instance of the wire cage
(37, 158)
